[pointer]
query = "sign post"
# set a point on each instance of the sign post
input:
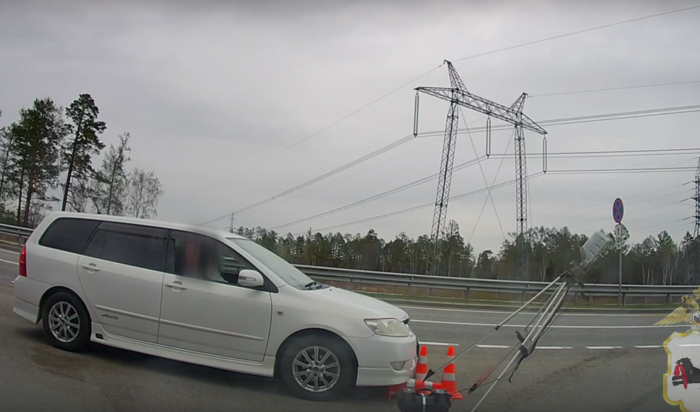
(618, 213)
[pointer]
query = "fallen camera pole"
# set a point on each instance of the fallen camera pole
(428, 400)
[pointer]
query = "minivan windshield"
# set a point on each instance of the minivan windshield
(291, 275)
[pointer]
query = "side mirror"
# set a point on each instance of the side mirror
(250, 278)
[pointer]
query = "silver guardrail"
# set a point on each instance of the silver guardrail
(19, 234)
(466, 285)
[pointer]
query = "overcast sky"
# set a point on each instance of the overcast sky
(209, 90)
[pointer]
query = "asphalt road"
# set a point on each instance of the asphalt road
(588, 362)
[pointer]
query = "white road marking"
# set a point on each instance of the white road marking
(9, 261)
(603, 347)
(438, 344)
(505, 312)
(539, 347)
(554, 347)
(689, 344)
(491, 325)
(571, 347)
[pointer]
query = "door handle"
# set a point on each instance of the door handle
(176, 285)
(91, 267)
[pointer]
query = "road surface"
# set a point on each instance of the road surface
(587, 362)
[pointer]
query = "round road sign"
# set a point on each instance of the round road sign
(618, 210)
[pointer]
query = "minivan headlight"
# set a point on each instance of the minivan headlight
(389, 327)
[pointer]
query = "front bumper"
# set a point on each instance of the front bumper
(385, 361)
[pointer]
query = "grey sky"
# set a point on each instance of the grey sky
(210, 89)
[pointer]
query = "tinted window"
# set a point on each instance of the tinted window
(68, 234)
(132, 245)
(201, 257)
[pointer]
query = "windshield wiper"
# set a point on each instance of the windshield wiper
(311, 285)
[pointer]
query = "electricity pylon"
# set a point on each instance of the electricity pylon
(696, 230)
(458, 95)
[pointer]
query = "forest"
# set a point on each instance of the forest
(658, 260)
(48, 155)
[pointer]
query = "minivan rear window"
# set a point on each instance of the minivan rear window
(68, 234)
(132, 245)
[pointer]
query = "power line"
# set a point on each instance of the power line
(664, 225)
(473, 193)
(390, 158)
(432, 177)
(317, 179)
(344, 117)
(642, 86)
(551, 122)
(330, 173)
(411, 209)
(636, 213)
(622, 170)
(662, 111)
(487, 185)
(586, 211)
(612, 153)
(461, 59)
(381, 195)
(426, 142)
(483, 175)
(333, 172)
(578, 32)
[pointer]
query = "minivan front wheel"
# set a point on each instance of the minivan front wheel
(318, 368)
(66, 322)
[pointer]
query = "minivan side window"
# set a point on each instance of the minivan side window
(134, 245)
(204, 258)
(68, 234)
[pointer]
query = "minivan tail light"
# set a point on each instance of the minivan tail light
(23, 262)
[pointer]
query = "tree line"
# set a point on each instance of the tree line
(658, 260)
(48, 156)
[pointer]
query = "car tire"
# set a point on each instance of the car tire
(60, 314)
(319, 369)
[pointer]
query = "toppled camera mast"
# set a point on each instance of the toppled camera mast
(439, 400)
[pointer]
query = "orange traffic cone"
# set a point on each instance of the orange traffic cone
(449, 380)
(422, 366)
(418, 385)
(418, 381)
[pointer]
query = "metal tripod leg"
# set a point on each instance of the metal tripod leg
(559, 296)
(507, 319)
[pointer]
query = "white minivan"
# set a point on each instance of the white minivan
(207, 297)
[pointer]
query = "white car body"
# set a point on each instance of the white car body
(212, 324)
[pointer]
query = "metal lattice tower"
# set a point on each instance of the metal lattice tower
(520, 189)
(696, 230)
(444, 182)
(458, 95)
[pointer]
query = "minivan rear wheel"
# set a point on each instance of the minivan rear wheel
(318, 368)
(66, 322)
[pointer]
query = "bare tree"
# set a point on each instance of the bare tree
(80, 194)
(109, 189)
(144, 190)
